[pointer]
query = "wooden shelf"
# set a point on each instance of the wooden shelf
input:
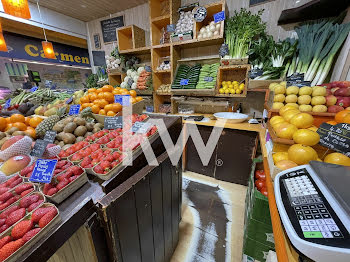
(161, 19)
(193, 92)
(130, 37)
(276, 139)
(161, 46)
(208, 57)
(162, 71)
(200, 43)
(137, 51)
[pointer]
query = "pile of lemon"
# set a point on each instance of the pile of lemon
(228, 87)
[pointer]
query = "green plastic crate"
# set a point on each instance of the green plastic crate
(259, 209)
(260, 232)
(255, 249)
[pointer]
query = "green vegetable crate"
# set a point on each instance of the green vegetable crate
(255, 249)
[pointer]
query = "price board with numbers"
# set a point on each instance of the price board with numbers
(335, 137)
(113, 122)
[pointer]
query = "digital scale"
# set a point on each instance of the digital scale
(314, 205)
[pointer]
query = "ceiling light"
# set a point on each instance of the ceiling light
(19, 8)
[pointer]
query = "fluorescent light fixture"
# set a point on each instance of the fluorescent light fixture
(51, 64)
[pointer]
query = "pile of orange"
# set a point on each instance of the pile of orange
(341, 117)
(25, 124)
(101, 100)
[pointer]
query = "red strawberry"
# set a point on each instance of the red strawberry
(11, 180)
(71, 179)
(22, 188)
(9, 202)
(24, 193)
(30, 234)
(21, 228)
(109, 158)
(98, 169)
(26, 170)
(6, 196)
(76, 157)
(3, 190)
(16, 182)
(2, 221)
(77, 170)
(47, 187)
(15, 216)
(35, 205)
(10, 248)
(8, 211)
(39, 213)
(116, 155)
(62, 184)
(47, 217)
(4, 241)
(52, 191)
(3, 228)
(106, 165)
(28, 200)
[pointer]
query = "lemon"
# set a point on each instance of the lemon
(230, 86)
(232, 91)
(238, 91)
(221, 91)
(227, 91)
(228, 82)
(223, 82)
(235, 82)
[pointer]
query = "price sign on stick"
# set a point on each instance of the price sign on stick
(74, 110)
(141, 127)
(50, 136)
(124, 100)
(39, 148)
(7, 104)
(335, 137)
(43, 170)
(184, 82)
(113, 122)
(218, 17)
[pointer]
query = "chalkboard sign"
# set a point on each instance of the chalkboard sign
(200, 14)
(109, 28)
(113, 122)
(223, 50)
(254, 73)
(258, 2)
(50, 136)
(97, 41)
(335, 137)
(99, 58)
(148, 69)
(39, 148)
(43, 170)
(141, 127)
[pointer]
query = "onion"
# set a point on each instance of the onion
(200, 36)
(212, 28)
(207, 28)
(204, 35)
(212, 23)
(218, 26)
(210, 34)
(202, 30)
(216, 33)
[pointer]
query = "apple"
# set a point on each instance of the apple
(342, 92)
(343, 101)
(331, 100)
(335, 109)
(334, 89)
(328, 92)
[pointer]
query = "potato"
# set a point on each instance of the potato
(80, 131)
(98, 125)
(59, 136)
(61, 144)
(2, 135)
(68, 120)
(19, 133)
(69, 128)
(2, 141)
(69, 138)
(12, 130)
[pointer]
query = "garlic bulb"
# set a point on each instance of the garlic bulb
(200, 36)
(204, 35)
(212, 28)
(210, 34)
(216, 33)
(218, 26)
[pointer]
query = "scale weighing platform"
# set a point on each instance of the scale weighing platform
(314, 205)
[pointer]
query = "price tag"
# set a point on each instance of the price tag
(335, 137)
(130, 82)
(218, 17)
(43, 170)
(170, 28)
(124, 100)
(39, 148)
(70, 100)
(50, 136)
(33, 89)
(148, 69)
(74, 110)
(184, 82)
(296, 77)
(113, 122)
(208, 79)
(200, 14)
(141, 127)
(7, 104)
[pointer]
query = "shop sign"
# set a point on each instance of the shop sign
(208, 79)
(113, 122)
(29, 48)
(39, 148)
(218, 17)
(335, 137)
(74, 110)
(43, 170)
(124, 100)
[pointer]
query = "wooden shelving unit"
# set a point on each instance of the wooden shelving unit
(130, 37)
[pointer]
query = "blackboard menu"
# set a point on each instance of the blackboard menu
(335, 137)
(109, 27)
(113, 122)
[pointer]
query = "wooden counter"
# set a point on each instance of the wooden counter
(284, 250)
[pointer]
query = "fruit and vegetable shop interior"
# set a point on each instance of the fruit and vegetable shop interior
(174, 131)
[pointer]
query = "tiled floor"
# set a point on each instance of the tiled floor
(212, 223)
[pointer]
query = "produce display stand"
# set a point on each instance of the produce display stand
(115, 77)
(97, 197)
(130, 37)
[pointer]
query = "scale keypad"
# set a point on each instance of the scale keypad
(314, 218)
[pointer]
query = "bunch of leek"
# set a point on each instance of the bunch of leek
(240, 29)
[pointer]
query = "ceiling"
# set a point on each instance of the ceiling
(88, 10)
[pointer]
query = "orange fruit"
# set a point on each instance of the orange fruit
(26, 120)
(92, 90)
(124, 93)
(35, 121)
(346, 119)
(108, 96)
(301, 154)
(30, 131)
(108, 107)
(139, 98)
(3, 123)
(133, 93)
(101, 95)
(8, 126)
(99, 90)
(17, 118)
(332, 122)
(102, 103)
(339, 117)
(117, 107)
(116, 92)
(92, 97)
(85, 105)
(133, 100)
(8, 120)
(110, 113)
(21, 126)
(107, 88)
(102, 112)
(95, 109)
(84, 99)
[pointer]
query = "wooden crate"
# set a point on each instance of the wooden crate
(130, 37)
(115, 78)
(262, 84)
(233, 61)
(233, 73)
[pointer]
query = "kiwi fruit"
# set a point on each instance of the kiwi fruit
(80, 131)
(69, 128)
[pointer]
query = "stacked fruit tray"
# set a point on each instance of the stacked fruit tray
(207, 76)
(186, 77)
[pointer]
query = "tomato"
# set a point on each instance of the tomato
(259, 184)
(264, 191)
(260, 174)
